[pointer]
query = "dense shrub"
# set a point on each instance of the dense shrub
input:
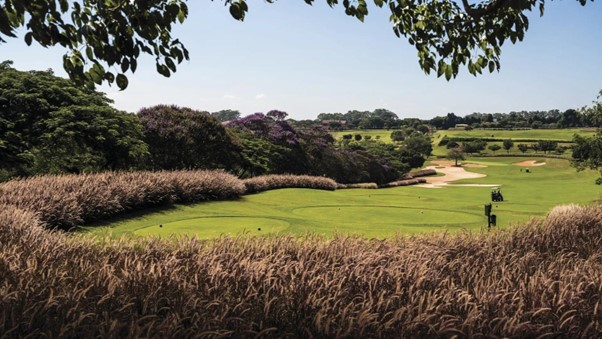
(540, 280)
(422, 173)
(406, 182)
(270, 182)
(68, 200)
(183, 138)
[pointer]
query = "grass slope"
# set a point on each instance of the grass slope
(374, 213)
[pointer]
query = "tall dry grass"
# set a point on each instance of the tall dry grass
(541, 279)
(65, 201)
(406, 182)
(275, 181)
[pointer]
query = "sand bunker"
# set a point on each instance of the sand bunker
(451, 173)
(529, 163)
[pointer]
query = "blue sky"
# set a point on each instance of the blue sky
(306, 60)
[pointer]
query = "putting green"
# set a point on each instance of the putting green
(389, 215)
(212, 227)
(374, 213)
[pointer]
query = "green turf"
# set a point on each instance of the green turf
(515, 135)
(540, 134)
(375, 213)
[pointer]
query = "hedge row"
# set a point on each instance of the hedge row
(65, 201)
(271, 182)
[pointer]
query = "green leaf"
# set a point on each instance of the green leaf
(448, 72)
(28, 38)
(122, 81)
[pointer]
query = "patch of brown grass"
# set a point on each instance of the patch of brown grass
(65, 201)
(406, 182)
(542, 279)
(270, 182)
(366, 185)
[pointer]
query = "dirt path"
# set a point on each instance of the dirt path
(452, 173)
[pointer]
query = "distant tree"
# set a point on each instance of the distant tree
(182, 138)
(494, 148)
(523, 147)
(226, 115)
(570, 118)
(347, 136)
(279, 132)
(358, 137)
(452, 144)
(422, 128)
(587, 153)
(455, 154)
(474, 146)
(592, 115)
(418, 144)
(547, 145)
(277, 115)
(508, 144)
(535, 147)
(398, 135)
(450, 121)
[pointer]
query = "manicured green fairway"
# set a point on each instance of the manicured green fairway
(376, 213)
(540, 134)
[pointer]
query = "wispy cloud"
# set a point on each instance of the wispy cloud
(229, 96)
(260, 96)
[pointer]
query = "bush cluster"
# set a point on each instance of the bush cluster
(366, 185)
(422, 173)
(64, 201)
(406, 182)
(274, 181)
(543, 279)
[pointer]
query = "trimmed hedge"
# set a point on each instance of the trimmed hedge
(275, 181)
(65, 201)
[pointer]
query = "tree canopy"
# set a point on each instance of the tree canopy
(50, 125)
(111, 34)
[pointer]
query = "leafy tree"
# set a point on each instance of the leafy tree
(547, 145)
(290, 155)
(358, 137)
(226, 115)
(50, 125)
(587, 153)
(494, 148)
(474, 146)
(108, 34)
(455, 154)
(508, 144)
(277, 115)
(570, 118)
(398, 135)
(182, 138)
(523, 147)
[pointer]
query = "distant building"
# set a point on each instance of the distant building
(461, 126)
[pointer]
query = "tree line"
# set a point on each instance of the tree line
(51, 125)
